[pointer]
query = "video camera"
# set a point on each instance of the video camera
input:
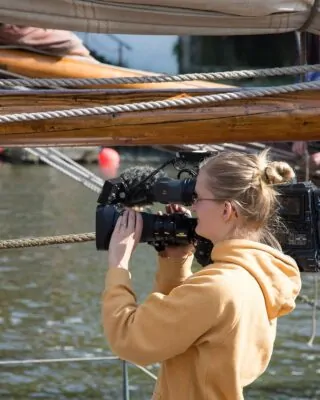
(300, 213)
(140, 186)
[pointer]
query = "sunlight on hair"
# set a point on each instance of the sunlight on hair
(247, 180)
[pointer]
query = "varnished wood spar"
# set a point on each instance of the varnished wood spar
(35, 65)
(14, 101)
(285, 117)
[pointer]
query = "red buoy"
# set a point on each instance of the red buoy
(109, 162)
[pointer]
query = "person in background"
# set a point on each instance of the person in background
(313, 57)
(213, 331)
(52, 41)
(300, 148)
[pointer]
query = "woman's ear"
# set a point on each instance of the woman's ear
(228, 210)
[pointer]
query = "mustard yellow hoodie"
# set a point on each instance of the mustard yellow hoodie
(213, 331)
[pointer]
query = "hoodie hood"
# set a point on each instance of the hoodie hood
(276, 273)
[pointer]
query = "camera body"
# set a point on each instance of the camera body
(299, 210)
(300, 213)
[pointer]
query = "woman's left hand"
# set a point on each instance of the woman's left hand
(124, 239)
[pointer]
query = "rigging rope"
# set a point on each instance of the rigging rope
(160, 104)
(67, 166)
(47, 240)
(209, 76)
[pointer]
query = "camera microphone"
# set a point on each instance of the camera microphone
(128, 188)
(134, 176)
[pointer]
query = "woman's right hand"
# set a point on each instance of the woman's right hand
(178, 251)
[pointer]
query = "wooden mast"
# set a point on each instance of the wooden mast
(292, 116)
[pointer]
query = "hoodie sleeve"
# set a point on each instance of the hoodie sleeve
(171, 273)
(164, 326)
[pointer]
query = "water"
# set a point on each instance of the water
(50, 303)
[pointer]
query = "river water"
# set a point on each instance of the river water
(50, 303)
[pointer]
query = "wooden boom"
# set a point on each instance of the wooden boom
(292, 116)
(34, 65)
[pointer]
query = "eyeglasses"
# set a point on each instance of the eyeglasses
(196, 200)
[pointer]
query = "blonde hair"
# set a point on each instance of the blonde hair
(247, 181)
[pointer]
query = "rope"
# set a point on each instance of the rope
(47, 240)
(210, 76)
(66, 165)
(160, 104)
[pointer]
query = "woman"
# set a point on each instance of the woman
(212, 331)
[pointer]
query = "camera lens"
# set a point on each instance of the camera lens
(171, 229)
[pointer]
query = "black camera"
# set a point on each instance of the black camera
(299, 209)
(300, 214)
(146, 185)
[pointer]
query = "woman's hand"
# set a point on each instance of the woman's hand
(177, 251)
(124, 239)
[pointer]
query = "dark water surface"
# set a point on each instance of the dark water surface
(50, 303)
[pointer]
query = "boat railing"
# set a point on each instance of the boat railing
(125, 369)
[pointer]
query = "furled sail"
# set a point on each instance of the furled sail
(176, 17)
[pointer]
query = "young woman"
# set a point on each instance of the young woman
(212, 331)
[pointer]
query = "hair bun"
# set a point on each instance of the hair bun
(278, 172)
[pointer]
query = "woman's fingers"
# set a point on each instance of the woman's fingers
(138, 227)
(186, 211)
(172, 208)
(125, 219)
(176, 208)
(119, 224)
(131, 221)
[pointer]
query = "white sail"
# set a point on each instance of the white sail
(174, 17)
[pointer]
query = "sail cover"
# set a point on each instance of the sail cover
(165, 17)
